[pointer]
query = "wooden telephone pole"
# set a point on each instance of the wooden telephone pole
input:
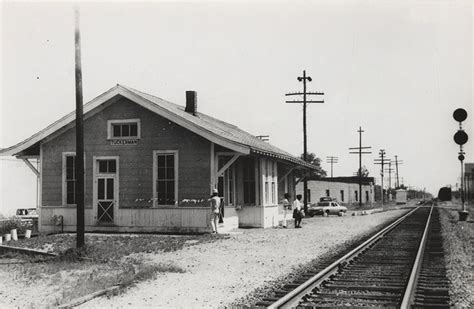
(397, 163)
(389, 170)
(382, 161)
(304, 78)
(332, 160)
(79, 163)
(360, 153)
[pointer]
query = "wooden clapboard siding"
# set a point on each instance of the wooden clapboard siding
(136, 161)
(177, 219)
(251, 216)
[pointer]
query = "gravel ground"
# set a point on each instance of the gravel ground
(458, 240)
(217, 274)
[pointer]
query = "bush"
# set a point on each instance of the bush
(15, 223)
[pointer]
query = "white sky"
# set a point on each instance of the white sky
(397, 68)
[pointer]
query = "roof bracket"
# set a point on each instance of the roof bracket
(227, 165)
(28, 163)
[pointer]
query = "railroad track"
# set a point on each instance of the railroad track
(400, 266)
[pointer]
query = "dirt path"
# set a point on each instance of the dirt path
(218, 273)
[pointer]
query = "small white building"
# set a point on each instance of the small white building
(401, 196)
(344, 189)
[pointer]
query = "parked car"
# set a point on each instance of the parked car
(27, 213)
(327, 207)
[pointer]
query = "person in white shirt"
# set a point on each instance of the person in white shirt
(215, 203)
(286, 208)
(297, 211)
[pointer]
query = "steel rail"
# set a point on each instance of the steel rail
(411, 285)
(292, 298)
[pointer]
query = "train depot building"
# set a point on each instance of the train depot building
(344, 189)
(150, 166)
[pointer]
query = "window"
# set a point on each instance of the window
(248, 179)
(165, 172)
(123, 129)
(356, 196)
(230, 182)
(328, 193)
(70, 178)
(367, 196)
(342, 195)
(273, 192)
(267, 193)
(107, 166)
(308, 195)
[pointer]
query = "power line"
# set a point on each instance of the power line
(382, 161)
(360, 153)
(303, 79)
(332, 160)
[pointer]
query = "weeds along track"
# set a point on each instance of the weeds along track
(391, 269)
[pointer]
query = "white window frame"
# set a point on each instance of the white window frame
(96, 174)
(111, 122)
(63, 178)
(155, 175)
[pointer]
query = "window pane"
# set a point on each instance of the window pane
(70, 160)
(161, 173)
(102, 166)
(161, 199)
(110, 189)
(161, 161)
(112, 166)
(70, 192)
(169, 160)
(134, 130)
(116, 130)
(125, 130)
(101, 189)
(161, 186)
(170, 173)
(170, 192)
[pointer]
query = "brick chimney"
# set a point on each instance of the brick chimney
(191, 102)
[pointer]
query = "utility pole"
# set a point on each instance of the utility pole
(382, 161)
(79, 163)
(397, 163)
(360, 153)
(389, 171)
(305, 78)
(332, 160)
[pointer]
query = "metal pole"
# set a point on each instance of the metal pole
(305, 147)
(79, 168)
(360, 166)
(462, 185)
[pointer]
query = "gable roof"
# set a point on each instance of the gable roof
(215, 130)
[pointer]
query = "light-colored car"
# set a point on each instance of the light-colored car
(326, 207)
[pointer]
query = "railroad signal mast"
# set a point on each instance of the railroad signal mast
(397, 163)
(359, 151)
(332, 160)
(382, 161)
(460, 138)
(303, 79)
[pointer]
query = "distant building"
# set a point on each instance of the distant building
(344, 189)
(151, 165)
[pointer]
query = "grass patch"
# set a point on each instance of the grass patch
(105, 261)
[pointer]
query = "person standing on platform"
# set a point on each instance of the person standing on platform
(297, 215)
(286, 208)
(215, 203)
